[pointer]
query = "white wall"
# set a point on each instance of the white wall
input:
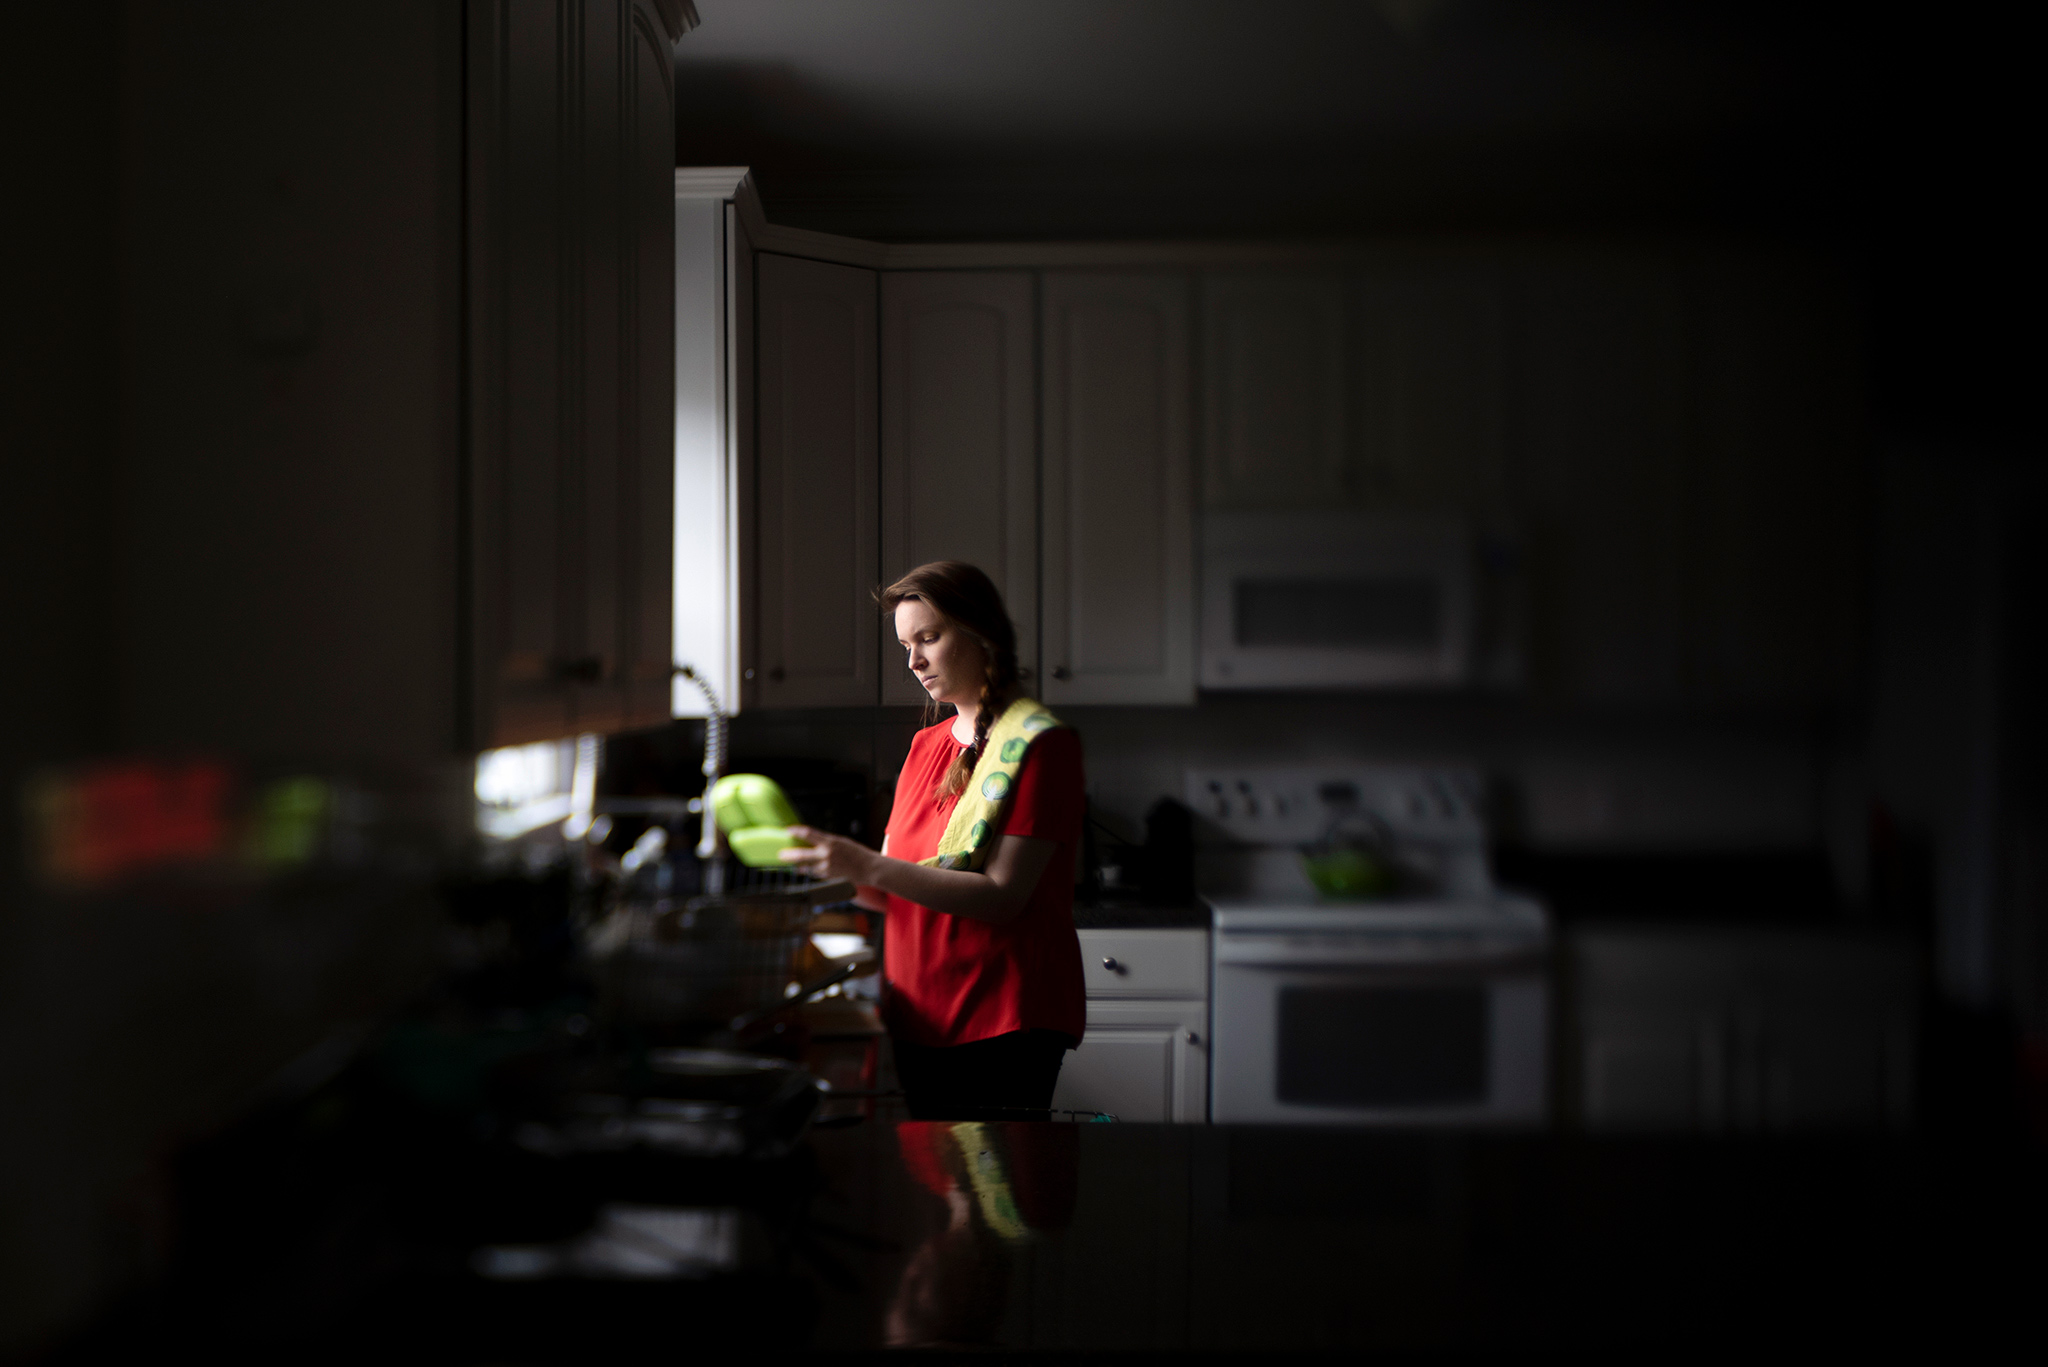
(706, 596)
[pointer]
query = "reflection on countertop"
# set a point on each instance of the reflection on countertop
(341, 1240)
(1133, 1237)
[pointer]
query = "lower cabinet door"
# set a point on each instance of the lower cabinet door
(1140, 1061)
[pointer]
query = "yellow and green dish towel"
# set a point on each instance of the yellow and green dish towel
(969, 831)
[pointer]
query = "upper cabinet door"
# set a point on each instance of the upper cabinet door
(817, 541)
(1429, 360)
(1601, 437)
(1273, 393)
(1118, 566)
(645, 552)
(1773, 517)
(571, 330)
(960, 441)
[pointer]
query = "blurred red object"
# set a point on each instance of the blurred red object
(97, 825)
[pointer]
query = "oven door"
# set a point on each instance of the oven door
(1454, 1041)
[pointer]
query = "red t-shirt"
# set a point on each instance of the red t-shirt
(953, 980)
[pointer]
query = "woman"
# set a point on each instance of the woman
(976, 871)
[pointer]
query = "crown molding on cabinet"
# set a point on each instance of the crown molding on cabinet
(955, 256)
(677, 18)
(710, 182)
(736, 183)
(815, 246)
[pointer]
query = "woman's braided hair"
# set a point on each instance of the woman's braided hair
(967, 598)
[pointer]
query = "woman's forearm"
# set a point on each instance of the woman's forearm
(996, 895)
(955, 892)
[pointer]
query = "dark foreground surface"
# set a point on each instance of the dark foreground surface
(329, 1231)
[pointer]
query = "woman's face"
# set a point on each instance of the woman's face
(945, 659)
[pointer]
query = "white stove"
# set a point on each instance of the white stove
(1425, 1006)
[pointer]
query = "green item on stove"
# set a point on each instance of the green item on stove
(1347, 873)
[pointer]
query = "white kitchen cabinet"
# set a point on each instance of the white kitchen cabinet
(815, 644)
(959, 452)
(1427, 369)
(571, 326)
(1774, 609)
(1140, 1061)
(1703, 1029)
(1146, 1053)
(1118, 616)
(1601, 475)
(1145, 963)
(1273, 386)
(1648, 446)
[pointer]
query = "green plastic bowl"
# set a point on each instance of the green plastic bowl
(1347, 873)
(759, 847)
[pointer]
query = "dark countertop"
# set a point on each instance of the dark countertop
(1236, 1238)
(1110, 1237)
(1139, 915)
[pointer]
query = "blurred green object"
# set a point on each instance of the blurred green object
(755, 815)
(743, 800)
(758, 846)
(1347, 873)
(289, 819)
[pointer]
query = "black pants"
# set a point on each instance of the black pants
(1007, 1077)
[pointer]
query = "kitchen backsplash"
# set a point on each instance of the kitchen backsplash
(1560, 780)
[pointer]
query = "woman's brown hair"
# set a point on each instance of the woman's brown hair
(967, 598)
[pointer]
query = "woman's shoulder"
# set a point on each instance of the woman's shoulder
(1062, 740)
(1055, 751)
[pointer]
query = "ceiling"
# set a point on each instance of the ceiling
(921, 119)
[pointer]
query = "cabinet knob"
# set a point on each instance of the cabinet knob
(1062, 672)
(587, 669)
(775, 674)
(1113, 966)
(1193, 1038)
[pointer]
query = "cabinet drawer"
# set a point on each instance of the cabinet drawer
(1145, 963)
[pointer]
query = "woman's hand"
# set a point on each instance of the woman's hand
(824, 855)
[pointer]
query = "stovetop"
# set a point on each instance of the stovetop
(1500, 913)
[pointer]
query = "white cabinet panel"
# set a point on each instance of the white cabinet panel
(1695, 1029)
(1273, 391)
(1602, 473)
(1118, 568)
(959, 451)
(1145, 963)
(1773, 593)
(1140, 1061)
(1429, 364)
(817, 484)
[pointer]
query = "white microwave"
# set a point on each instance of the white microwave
(1335, 600)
